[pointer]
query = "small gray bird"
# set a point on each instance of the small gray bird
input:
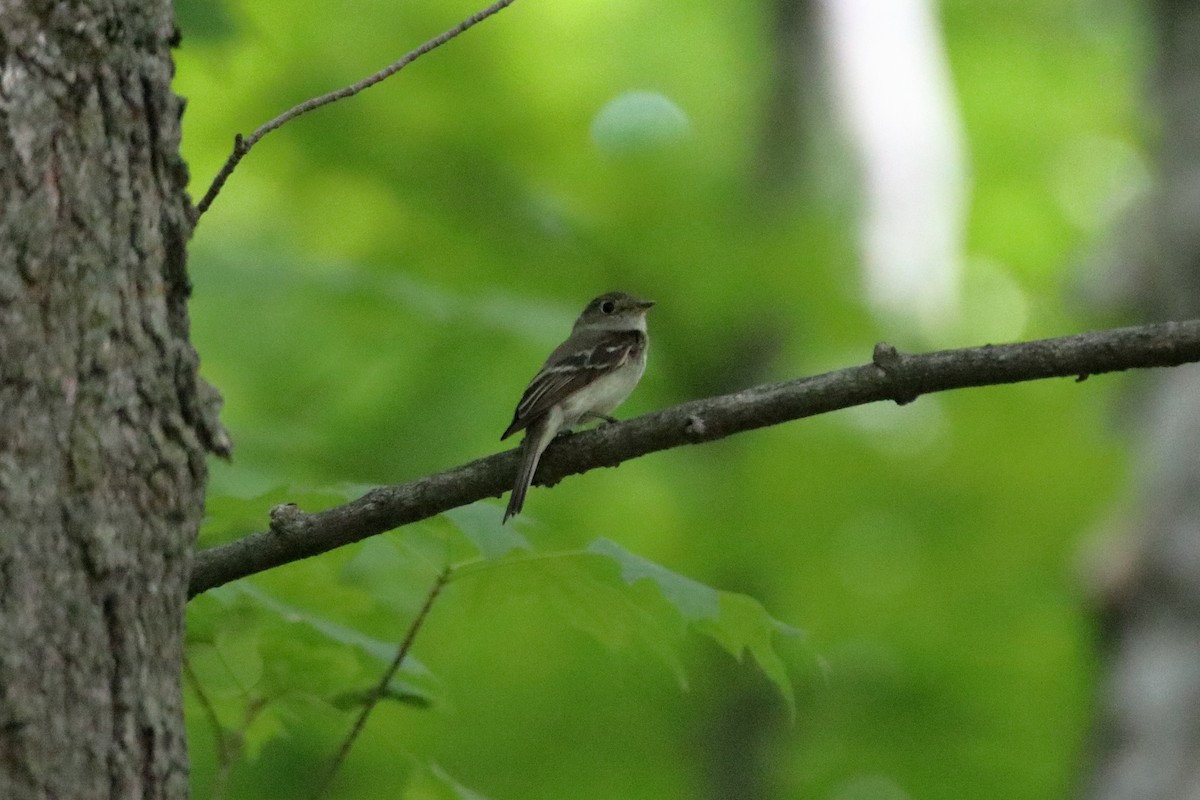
(586, 377)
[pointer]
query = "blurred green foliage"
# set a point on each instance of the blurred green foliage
(380, 278)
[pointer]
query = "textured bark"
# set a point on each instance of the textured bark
(1146, 744)
(104, 425)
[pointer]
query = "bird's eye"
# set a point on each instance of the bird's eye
(608, 306)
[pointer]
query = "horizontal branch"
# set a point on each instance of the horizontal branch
(892, 375)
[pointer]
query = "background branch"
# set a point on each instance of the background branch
(380, 690)
(242, 145)
(892, 375)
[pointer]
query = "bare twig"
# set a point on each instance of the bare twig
(381, 688)
(242, 145)
(891, 376)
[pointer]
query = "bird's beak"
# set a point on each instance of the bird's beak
(643, 305)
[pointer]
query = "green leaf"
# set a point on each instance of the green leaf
(206, 615)
(737, 622)
(415, 679)
(231, 668)
(434, 783)
(607, 613)
(745, 626)
(576, 585)
(223, 642)
(398, 569)
(692, 599)
(264, 727)
(335, 631)
(397, 691)
(583, 589)
(299, 660)
(480, 523)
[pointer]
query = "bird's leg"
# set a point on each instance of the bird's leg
(604, 419)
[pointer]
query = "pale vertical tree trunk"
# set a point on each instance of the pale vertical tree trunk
(103, 421)
(1147, 736)
(795, 108)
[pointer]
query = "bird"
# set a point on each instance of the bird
(585, 377)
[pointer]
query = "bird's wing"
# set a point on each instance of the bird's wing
(572, 366)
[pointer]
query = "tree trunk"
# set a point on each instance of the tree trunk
(104, 423)
(1147, 736)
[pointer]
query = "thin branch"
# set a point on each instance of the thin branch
(892, 375)
(381, 688)
(242, 145)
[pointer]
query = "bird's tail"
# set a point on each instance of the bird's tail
(536, 438)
